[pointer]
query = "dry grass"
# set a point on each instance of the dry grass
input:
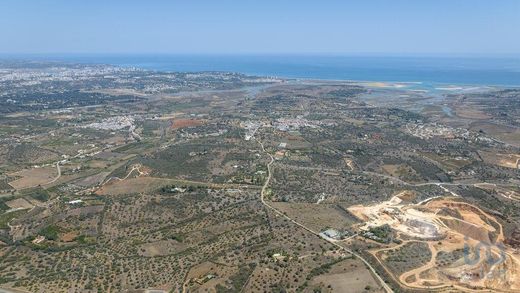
(33, 177)
(347, 276)
(19, 203)
(132, 185)
(504, 160)
(316, 216)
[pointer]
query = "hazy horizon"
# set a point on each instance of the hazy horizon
(238, 54)
(404, 28)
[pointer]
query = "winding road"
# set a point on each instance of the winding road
(266, 204)
(57, 176)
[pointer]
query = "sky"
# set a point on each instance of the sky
(418, 27)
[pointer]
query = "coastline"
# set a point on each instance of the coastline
(440, 71)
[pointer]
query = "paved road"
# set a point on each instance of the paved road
(262, 194)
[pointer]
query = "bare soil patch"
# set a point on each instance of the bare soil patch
(33, 177)
(347, 276)
(19, 203)
(184, 123)
(317, 216)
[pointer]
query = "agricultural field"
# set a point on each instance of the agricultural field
(222, 182)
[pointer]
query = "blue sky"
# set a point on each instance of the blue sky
(236, 27)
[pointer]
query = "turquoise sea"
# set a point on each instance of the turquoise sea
(447, 70)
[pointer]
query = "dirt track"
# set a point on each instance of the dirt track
(460, 224)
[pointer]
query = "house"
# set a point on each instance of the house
(331, 233)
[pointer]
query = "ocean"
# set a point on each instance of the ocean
(445, 70)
